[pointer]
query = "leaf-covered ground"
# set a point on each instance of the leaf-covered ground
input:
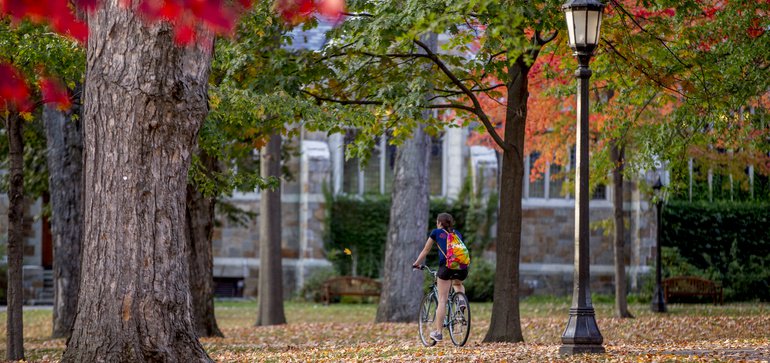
(345, 332)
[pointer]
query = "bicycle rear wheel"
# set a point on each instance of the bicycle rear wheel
(460, 322)
(427, 317)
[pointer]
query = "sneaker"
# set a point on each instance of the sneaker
(435, 335)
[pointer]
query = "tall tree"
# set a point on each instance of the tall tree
(200, 214)
(617, 156)
(409, 213)
(64, 136)
(270, 267)
(24, 46)
(142, 115)
(15, 342)
(372, 64)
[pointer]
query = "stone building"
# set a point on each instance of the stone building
(547, 234)
(548, 226)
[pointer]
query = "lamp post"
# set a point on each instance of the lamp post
(658, 305)
(584, 18)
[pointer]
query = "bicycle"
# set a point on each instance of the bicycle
(457, 319)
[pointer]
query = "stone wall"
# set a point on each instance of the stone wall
(235, 245)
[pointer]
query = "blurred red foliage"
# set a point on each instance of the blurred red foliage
(192, 21)
(14, 93)
(54, 92)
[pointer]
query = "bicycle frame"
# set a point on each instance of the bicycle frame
(434, 291)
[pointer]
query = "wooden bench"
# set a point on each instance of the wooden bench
(686, 286)
(350, 286)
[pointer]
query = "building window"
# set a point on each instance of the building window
(350, 169)
(373, 177)
(536, 187)
(555, 181)
(600, 192)
(372, 169)
(435, 176)
(390, 162)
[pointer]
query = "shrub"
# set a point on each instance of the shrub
(725, 242)
(311, 290)
(480, 284)
(360, 225)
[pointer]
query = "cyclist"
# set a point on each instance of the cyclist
(446, 277)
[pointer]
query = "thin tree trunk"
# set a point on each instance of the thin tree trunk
(270, 267)
(200, 227)
(408, 227)
(617, 156)
(505, 324)
(145, 100)
(15, 327)
(64, 137)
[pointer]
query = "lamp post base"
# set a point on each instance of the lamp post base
(582, 333)
(571, 349)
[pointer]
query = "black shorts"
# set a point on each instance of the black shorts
(445, 273)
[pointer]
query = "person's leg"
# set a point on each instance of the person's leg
(443, 296)
(458, 285)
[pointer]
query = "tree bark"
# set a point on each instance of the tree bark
(617, 156)
(64, 137)
(407, 231)
(15, 327)
(145, 100)
(200, 227)
(505, 324)
(270, 267)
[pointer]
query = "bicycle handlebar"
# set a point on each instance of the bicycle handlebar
(423, 267)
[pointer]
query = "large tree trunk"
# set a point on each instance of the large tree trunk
(270, 267)
(64, 136)
(200, 228)
(15, 327)
(408, 227)
(617, 156)
(505, 324)
(145, 101)
(407, 231)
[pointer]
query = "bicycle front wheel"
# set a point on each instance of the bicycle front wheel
(427, 317)
(460, 321)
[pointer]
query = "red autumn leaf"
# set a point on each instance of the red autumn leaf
(331, 9)
(57, 13)
(294, 11)
(14, 93)
(170, 10)
(54, 92)
(184, 34)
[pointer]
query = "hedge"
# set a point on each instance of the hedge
(726, 242)
(360, 225)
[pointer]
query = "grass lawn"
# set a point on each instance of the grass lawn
(345, 332)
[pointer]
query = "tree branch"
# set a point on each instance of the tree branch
(543, 41)
(662, 41)
(357, 14)
(339, 101)
(477, 110)
(650, 77)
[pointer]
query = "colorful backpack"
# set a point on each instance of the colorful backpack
(457, 256)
